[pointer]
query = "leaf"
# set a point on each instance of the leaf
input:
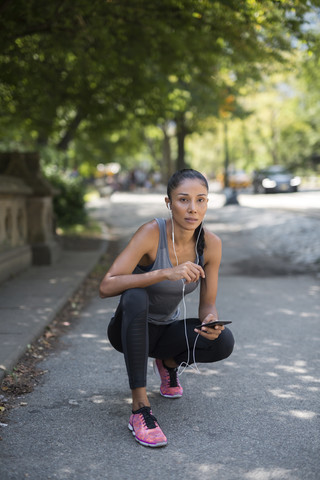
(49, 334)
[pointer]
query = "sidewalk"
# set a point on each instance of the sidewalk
(31, 300)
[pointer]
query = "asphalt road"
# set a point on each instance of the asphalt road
(306, 202)
(254, 416)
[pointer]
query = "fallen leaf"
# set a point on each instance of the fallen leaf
(49, 334)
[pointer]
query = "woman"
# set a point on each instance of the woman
(165, 260)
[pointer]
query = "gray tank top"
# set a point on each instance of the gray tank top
(165, 296)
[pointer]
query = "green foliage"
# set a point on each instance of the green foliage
(88, 229)
(68, 204)
(75, 74)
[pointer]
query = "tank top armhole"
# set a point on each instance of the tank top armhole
(162, 230)
(149, 268)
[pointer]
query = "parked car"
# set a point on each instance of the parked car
(275, 179)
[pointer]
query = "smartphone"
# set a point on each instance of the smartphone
(212, 324)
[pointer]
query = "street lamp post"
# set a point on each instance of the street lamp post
(226, 110)
(226, 154)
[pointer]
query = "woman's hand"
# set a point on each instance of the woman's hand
(211, 333)
(189, 271)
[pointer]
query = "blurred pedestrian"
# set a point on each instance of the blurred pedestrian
(165, 260)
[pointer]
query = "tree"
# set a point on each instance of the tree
(223, 58)
(72, 68)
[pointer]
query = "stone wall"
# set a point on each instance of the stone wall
(15, 251)
(26, 214)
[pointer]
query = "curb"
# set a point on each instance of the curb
(22, 324)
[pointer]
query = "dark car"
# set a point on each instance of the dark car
(275, 179)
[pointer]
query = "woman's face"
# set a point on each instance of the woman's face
(189, 203)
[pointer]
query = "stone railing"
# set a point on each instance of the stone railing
(15, 252)
(26, 215)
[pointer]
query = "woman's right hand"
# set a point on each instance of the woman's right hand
(189, 271)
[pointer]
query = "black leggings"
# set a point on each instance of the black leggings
(130, 332)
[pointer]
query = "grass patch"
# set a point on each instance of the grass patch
(91, 195)
(88, 229)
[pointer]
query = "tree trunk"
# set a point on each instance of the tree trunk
(45, 128)
(181, 135)
(150, 144)
(70, 132)
(248, 151)
(167, 159)
(4, 5)
(274, 137)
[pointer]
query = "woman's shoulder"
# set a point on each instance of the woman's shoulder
(145, 241)
(149, 229)
(211, 238)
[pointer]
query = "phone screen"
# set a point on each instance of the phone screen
(212, 324)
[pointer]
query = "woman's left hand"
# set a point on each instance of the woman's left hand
(211, 333)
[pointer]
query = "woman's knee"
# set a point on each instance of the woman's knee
(227, 343)
(134, 300)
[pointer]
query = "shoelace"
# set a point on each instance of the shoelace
(149, 419)
(172, 376)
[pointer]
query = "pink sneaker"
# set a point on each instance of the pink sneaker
(170, 386)
(145, 428)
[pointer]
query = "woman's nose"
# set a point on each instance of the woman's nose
(192, 206)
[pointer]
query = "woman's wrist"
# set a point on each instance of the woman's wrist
(204, 317)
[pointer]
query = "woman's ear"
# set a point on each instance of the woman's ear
(167, 200)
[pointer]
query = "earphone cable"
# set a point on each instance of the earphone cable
(184, 365)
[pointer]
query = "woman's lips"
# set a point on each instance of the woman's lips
(191, 220)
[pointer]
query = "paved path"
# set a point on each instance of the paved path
(30, 301)
(254, 416)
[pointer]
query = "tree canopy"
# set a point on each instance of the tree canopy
(80, 70)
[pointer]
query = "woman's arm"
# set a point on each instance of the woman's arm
(120, 277)
(143, 245)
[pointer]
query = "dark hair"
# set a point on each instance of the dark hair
(174, 181)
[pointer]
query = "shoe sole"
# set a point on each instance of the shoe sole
(156, 371)
(145, 444)
(178, 395)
